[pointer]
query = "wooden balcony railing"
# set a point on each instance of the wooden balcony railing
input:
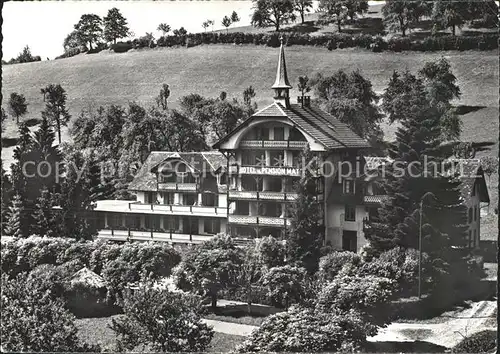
(259, 220)
(276, 144)
(173, 186)
(284, 196)
(179, 209)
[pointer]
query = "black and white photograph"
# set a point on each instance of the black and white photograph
(235, 176)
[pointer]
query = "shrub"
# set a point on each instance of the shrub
(331, 264)
(306, 330)
(285, 284)
(168, 322)
(480, 342)
(121, 47)
(378, 45)
(32, 321)
(399, 44)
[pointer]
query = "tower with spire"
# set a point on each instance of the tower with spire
(281, 85)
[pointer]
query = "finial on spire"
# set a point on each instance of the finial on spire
(281, 81)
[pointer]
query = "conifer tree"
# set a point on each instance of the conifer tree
(43, 217)
(418, 180)
(16, 218)
(306, 235)
(47, 156)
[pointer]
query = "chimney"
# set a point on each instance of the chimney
(304, 101)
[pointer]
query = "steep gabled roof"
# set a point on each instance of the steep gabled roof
(470, 172)
(145, 180)
(321, 126)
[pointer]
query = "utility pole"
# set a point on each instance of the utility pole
(420, 251)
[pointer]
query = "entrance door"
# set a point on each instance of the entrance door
(350, 241)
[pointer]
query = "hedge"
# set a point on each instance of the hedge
(333, 41)
(480, 342)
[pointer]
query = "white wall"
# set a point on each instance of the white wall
(335, 224)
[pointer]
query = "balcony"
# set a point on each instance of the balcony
(374, 199)
(173, 186)
(245, 195)
(276, 144)
(259, 220)
(164, 209)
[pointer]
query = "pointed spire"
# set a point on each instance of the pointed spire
(281, 81)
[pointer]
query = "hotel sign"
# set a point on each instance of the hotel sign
(273, 171)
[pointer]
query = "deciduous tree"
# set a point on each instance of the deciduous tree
(226, 22)
(89, 29)
(272, 13)
(166, 321)
(55, 110)
(400, 15)
(115, 26)
(163, 28)
(18, 106)
(446, 14)
(302, 6)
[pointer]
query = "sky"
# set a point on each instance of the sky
(43, 25)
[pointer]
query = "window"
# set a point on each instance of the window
(149, 198)
(168, 198)
(211, 226)
(470, 215)
(474, 190)
(348, 186)
(350, 213)
(209, 199)
(296, 158)
(189, 199)
(147, 221)
(262, 133)
(470, 238)
(253, 158)
(320, 185)
(475, 213)
(170, 223)
(475, 239)
(155, 222)
(349, 241)
(279, 133)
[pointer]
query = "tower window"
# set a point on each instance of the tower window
(348, 186)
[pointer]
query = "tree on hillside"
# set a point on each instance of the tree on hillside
(234, 17)
(446, 14)
(350, 98)
(180, 32)
(333, 11)
(115, 26)
(306, 234)
(89, 29)
(18, 106)
(73, 40)
(355, 8)
(162, 98)
(272, 13)
(55, 110)
(248, 94)
(400, 15)
(163, 28)
(209, 268)
(15, 218)
(26, 57)
(163, 321)
(226, 22)
(205, 25)
(440, 82)
(302, 6)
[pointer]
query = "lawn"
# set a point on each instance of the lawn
(96, 331)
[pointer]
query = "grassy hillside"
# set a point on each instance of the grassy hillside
(109, 78)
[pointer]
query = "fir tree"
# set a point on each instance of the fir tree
(16, 218)
(417, 180)
(43, 215)
(306, 235)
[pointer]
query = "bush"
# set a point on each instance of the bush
(32, 321)
(121, 47)
(306, 330)
(286, 285)
(480, 342)
(399, 44)
(331, 264)
(166, 321)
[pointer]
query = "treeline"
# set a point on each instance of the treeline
(24, 57)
